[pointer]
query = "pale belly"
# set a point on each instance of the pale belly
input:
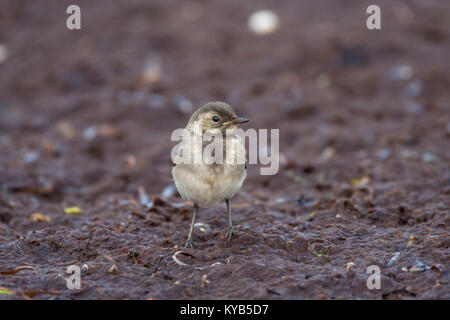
(207, 185)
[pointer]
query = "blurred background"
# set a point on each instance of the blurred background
(86, 115)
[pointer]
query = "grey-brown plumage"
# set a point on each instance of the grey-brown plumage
(206, 184)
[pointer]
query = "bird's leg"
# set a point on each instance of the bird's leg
(230, 224)
(189, 239)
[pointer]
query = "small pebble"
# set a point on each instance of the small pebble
(401, 72)
(307, 202)
(263, 22)
(417, 267)
(413, 89)
(157, 100)
(393, 259)
(328, 153)
(31, 156)
(407, 153)
(429, 157)
(3, 53)
(203, 227)
(383, 154)
(183, 104)
(282, 200)
(414, 108)
(90, 133)
(152, 70)
(169, 191)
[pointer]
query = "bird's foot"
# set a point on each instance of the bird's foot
(229, 234)
(189, 243)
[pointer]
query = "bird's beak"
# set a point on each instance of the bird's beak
(239, 120)
(236, 121)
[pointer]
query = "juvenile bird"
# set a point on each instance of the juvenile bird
(207, 183)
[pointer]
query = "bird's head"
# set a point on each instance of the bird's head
(216, 115)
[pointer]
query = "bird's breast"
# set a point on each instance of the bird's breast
(206, 184)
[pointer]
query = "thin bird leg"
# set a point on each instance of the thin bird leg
(230, 224)
(189, 239)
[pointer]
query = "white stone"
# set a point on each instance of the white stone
(3, 53)
(263, 21)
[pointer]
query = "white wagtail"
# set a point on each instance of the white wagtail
(205, 184)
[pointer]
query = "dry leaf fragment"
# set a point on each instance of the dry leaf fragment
(73, 210)
(32, 293)
(328, 153)
(311, 216)
(205, 280)
(152, 70)
(109, 258)
(143, 198)
(349, 265)
(410, 242)
(5, 291)
(321, 254)
(178, 261)
(66, 130)
(242, 205)
(49, 147)
(113, 269)
(109, 131)
(17, 269)
(364, 181)
(39, 217)
(130, 162)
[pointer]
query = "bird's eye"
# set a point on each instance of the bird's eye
(215, 119)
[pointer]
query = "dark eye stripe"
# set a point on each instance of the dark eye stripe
(215, 119)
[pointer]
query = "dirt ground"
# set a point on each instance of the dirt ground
(86, 118)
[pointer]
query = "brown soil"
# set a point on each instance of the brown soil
(365, 156)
